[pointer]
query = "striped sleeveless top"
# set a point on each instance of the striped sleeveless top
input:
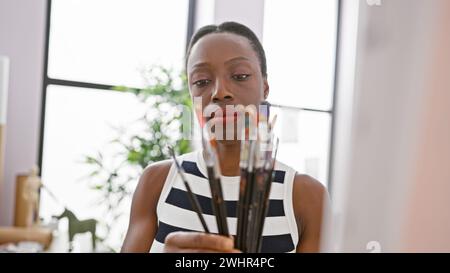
(175, 213)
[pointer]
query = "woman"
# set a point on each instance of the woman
(225, 65)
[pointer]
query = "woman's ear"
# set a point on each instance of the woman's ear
(266, 89)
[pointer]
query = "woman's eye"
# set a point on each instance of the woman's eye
(241, 77)
(201, 83)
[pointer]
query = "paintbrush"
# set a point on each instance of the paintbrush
(248, 191)
(269, 168)
(243, 164)
(213, 171)
(244, 182)
(192, 198)
(256, 190)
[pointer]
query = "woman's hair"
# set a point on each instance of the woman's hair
(235, 28)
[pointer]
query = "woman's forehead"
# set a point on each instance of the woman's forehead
(217, 48)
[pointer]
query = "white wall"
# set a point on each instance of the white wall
(22, 34)
(427, 218)
(393, 180)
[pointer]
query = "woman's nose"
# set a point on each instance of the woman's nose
(221, 93)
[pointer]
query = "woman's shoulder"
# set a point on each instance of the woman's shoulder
(310, 200)
(151, 182)
(308, 186)
(156, 171)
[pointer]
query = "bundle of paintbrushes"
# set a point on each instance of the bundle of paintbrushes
(257, 161)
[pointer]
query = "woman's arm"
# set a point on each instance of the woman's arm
(143, 220)
(310, 200)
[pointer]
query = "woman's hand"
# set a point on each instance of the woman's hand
(196, 242)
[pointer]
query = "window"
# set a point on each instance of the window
(92, 46)
(300, 42)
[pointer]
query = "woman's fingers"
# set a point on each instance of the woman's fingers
(197, 240)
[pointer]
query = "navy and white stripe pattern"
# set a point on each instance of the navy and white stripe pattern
(175, 213)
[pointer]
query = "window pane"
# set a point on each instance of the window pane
(80, 122)
(304, 141)
(300, 40)
(110, 41)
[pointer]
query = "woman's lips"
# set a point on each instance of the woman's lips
(226, 117)
(229, 116)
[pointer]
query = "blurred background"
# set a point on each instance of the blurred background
(90, 91)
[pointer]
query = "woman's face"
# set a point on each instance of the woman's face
(223, 69)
